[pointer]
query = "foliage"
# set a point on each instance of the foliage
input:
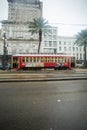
(81, 38)
(37, 26)
(82, 41)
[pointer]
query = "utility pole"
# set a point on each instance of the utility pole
(4, 51)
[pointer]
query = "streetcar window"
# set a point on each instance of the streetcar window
(48, 59)
(45, 59)
(60, 60)
(55, 59)
(63, 60)
(38, 59)
(23, 59)
(34, 59)
(26, 59)
(30, 59)
(41, 59)
(52, 59)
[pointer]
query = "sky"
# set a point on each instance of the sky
(70, 16)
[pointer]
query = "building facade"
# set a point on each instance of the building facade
(20, 13)
(67, 45)
(49, 43)
(20, 41)
(63, 44)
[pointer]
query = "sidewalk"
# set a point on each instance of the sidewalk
(49, 75)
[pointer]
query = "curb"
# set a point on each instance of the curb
(42, 80)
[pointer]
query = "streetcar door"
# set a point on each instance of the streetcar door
(72, 61)
(15, 62)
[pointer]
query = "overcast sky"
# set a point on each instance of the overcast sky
(68, 15)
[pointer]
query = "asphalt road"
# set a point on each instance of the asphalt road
(59, 105)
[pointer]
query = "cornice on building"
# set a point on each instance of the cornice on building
(20, 39)
(14, 22)
(67, 37)
(24, 1)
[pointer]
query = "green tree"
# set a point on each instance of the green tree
(82, 41)
(37, 26)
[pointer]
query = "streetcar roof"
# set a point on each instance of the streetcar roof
(42, 54)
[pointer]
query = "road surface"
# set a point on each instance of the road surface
(59, 105)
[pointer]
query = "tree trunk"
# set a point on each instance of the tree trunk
(40, 39)
(85, 54)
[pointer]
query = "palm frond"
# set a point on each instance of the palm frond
(81, 38)
(37, 26)
(82, 41)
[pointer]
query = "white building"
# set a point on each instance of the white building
(67, 45)
(62, 44)
(49, 43)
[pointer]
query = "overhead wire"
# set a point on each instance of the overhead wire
(68, 24)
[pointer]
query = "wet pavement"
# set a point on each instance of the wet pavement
(45, 75)
(43, 105)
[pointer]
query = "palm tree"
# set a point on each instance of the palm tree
(37, 26)
(82, 41)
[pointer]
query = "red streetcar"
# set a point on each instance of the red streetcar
(43, 61)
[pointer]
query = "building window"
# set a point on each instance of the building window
(64, 43)
(64, 48)
(80, 56)
(50, 43)
(83, 56)
(59, 42)
(45, 43)
(69, 48)
(77, 56)
(80, 48)
(73, 48)
(49, 31)
(54, 31)
(60, 49)
(54, 43)
(54, 37)
(76, 48)
(69, 43)
(45, 36)
(50, 36)
(13, 51)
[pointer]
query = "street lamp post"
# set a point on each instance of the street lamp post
(4, 52)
